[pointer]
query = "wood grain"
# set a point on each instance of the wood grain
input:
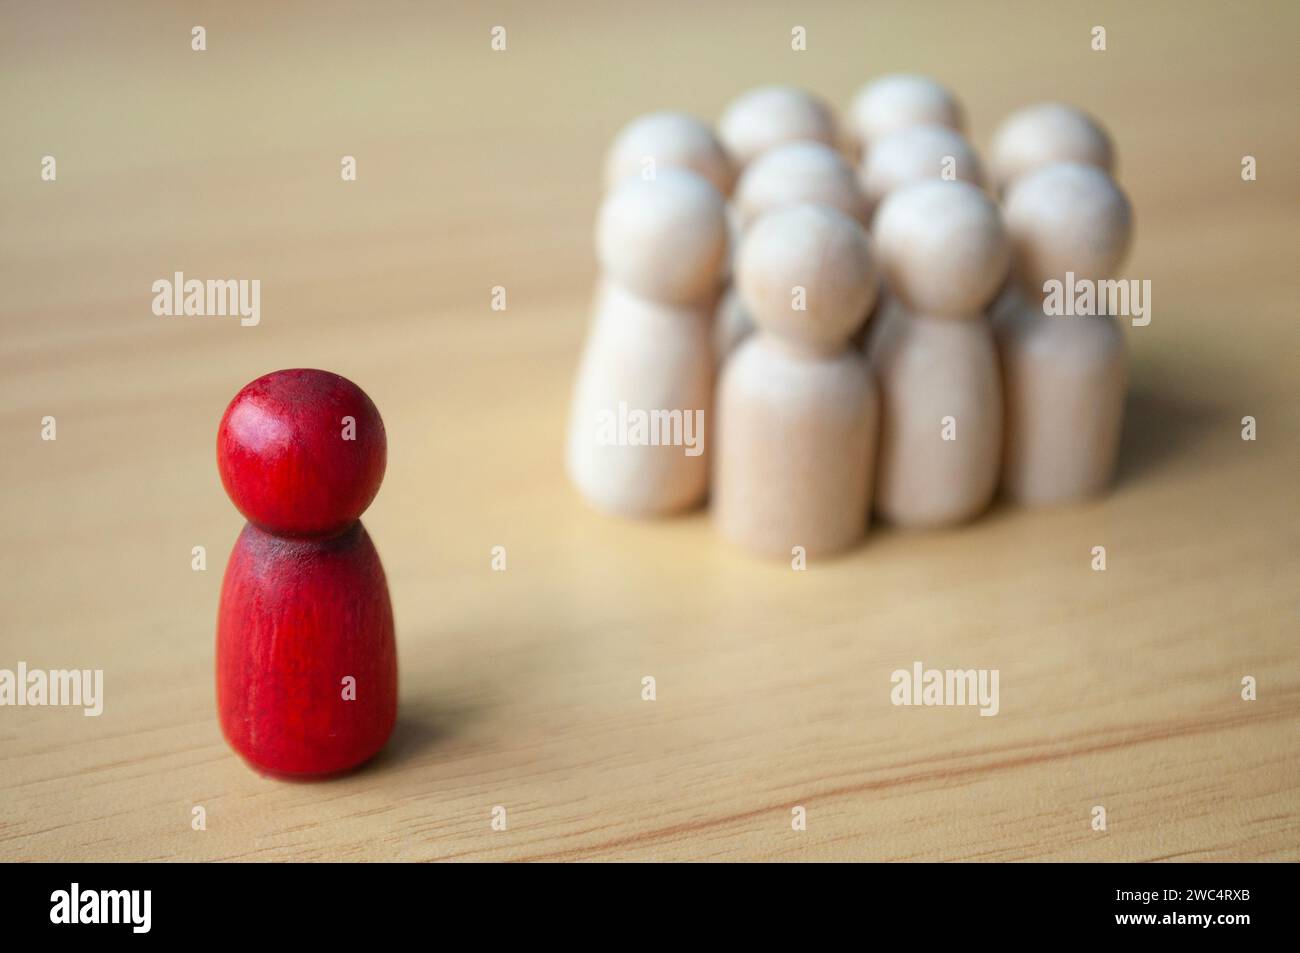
(523, 688)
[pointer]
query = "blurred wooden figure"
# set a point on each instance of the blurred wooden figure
(1064, 375)
(797, 409)
(916, 152)
(770, 115)
(944, 253)
(1042, 134)
(667, 140)
(893, 102)
(799, 171)
(637, 442)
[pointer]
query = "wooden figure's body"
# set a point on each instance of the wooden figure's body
(306, 659)
(797, 435)
(940, 422)
(297, 618)
(641, 356)
(1064, 380)
(797, 411)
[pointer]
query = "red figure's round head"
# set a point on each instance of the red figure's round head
(302, 452)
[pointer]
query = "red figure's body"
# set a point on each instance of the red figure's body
(306, 660)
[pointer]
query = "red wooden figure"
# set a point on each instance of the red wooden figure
(306, 661)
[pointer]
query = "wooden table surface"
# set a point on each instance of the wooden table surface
(522, 688)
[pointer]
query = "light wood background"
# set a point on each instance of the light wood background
(522, 688)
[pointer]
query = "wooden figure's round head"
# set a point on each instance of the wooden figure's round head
(1067, 217)
(924, 151)
(799, 171)
(301, 452)
(943, 248)
(664, 238)
(806, 273)
(770, 115)
(902, 99)
(1045, 133)
(668, 140)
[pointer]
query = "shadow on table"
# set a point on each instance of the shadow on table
(1158, 428)
(422, 726)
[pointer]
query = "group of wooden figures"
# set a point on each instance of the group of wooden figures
(856, 320)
